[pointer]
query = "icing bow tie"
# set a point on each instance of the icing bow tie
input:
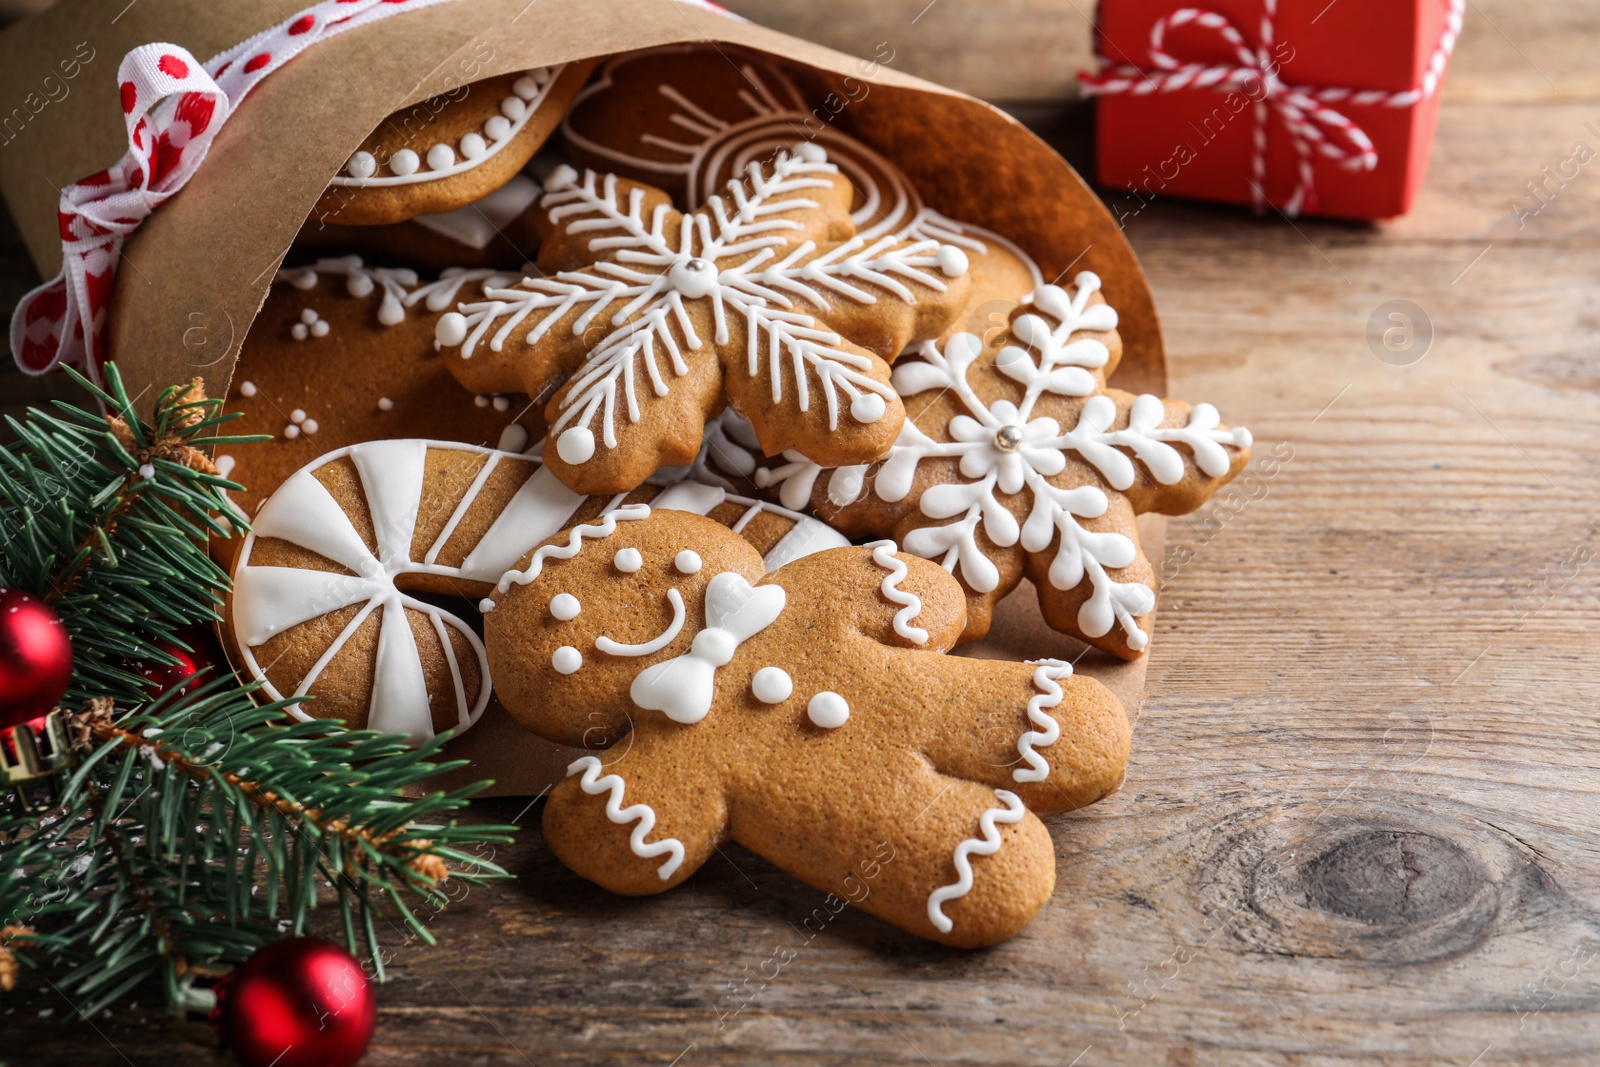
(682, 687)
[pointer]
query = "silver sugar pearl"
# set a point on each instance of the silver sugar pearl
(1007, 438)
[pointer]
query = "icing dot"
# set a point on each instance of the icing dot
(441, 156)
(513, 439)
(497, 128)
(567, 659)
(772, 685)
(291, 432)
(480, 401)
(576, 445)
(385, 404)
(828, 710)
(628, 560)
(404, 162)
(563, 177)
(451, 329)
(308, 316)
(952, 261)
(811, 152)
(391, 313)
(247, 388)
(319, 328)
(513, 108)
(525, 87)
(687, 561)
(868, 407)
(502, 403)
(297, 415)
(300, 331)
(309, 426)
(362, 165)
(473, 146)
(565, 606)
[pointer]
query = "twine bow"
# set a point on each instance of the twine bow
(1316, 128)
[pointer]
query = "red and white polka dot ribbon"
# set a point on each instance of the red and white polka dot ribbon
(1315, 127)
(173, 106)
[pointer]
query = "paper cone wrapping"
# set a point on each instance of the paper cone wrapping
(196, 273)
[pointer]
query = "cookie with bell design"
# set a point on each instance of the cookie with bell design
(651, 320)
(1016, 460)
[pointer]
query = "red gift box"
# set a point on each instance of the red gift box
(1304, 105)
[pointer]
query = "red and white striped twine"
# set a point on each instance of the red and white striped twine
(1315, 127)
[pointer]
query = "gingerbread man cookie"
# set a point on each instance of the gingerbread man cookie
(330, 585)
(807, 713)
(762, 299)
(442, 154)
(1016, 460)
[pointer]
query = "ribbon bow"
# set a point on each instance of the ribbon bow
(683, 687)
(172, 106)
(1315, 128)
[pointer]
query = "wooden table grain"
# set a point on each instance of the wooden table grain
(1359, 822)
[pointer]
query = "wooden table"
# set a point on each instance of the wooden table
(1359, 822)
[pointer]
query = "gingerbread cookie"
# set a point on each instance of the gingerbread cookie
(340, 354)
(762, 300)
(689, 118)
(442, 154)
(806, 713)
(329, 586)
(1016, 460)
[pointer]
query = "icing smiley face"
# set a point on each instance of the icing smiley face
(759, 705)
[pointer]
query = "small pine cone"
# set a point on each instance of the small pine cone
(83, 726)
(195, 460)
(192, 393)
(124, 435)
(9, 968)
(427, 864)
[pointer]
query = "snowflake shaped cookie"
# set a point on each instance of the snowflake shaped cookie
(1016, 460)
(653, 320)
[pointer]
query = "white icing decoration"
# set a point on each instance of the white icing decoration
(399, 286)
(656, 644)
(1003, 449)
(716, 148)
(604, 528)
(985, 845)
(404, 166)
(828, 710)
(297, 416)
(270, 600)
(565, 606)
(627, 560)
(309, 426)
(247, 389)
(732, 253)
(687, 561)
(514, 438)
(883, 554)
(772, 685)
(594, 784)
(1046, 731)
(440, 157)
(567, 660)
(291, 432)
(385, 404)
(683, 687)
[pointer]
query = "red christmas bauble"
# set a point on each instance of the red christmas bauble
(163, 677)
(35, 657)
(298, 1002)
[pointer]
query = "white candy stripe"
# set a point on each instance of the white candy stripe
(1046, 730)
(883, 554)
(986, 845)
(594, 784)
